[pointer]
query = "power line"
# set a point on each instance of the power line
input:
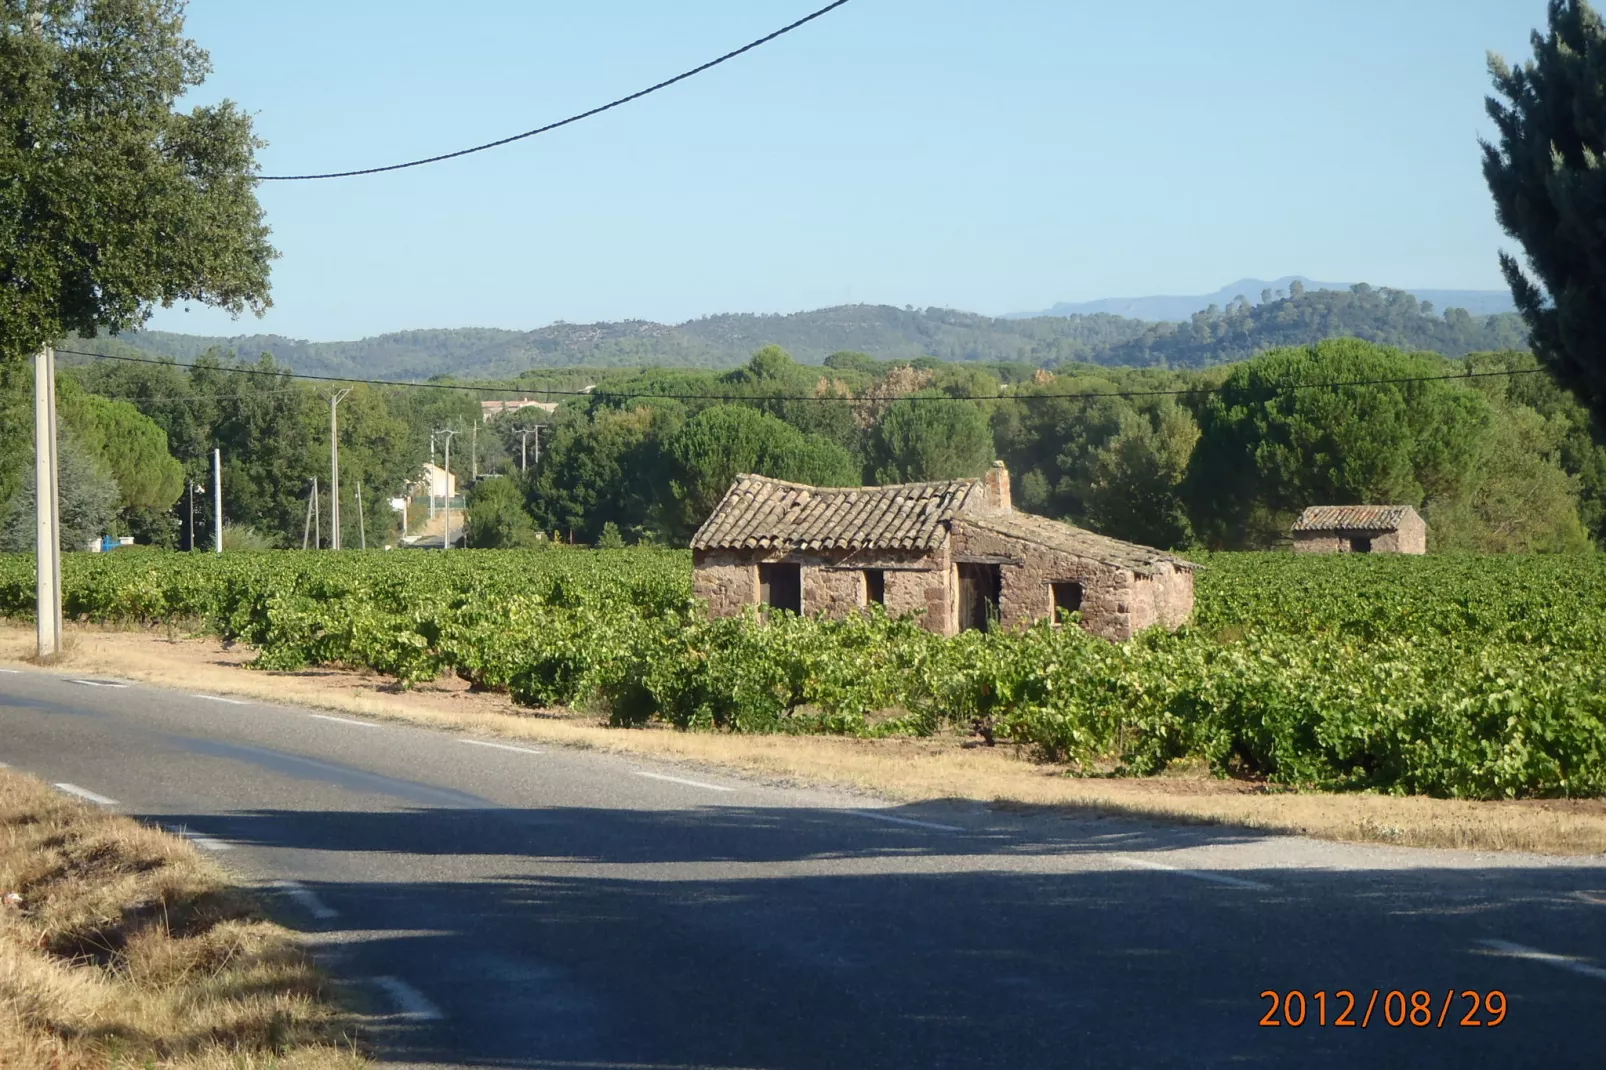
(571, 119)
(603, 392)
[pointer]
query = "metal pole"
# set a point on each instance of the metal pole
(334, 469)
(474, 451)
(190, 486)
(317, 521)
(447, 433)
(47, 501)
(217, 501)
(362, 530)
(306, 529)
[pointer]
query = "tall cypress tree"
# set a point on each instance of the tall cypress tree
(1548, 176)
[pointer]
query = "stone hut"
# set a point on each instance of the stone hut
(954, 551)
(1360, 529)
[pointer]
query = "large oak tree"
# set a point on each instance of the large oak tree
(112, 200)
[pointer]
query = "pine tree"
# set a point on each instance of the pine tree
(1548, 176)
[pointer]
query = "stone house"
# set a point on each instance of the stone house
(1360, 529)
(954, 551)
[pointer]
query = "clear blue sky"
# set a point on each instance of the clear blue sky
(993, 157)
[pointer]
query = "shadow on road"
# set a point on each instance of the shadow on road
(734, 936)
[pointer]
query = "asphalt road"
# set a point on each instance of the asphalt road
(542, 907)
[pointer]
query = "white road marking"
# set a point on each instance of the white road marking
(307, 898)
(1566, 962)
(13, 672)
(680, 780)
(220, 698)
(501, 746)
(98, 683)
(1196, 874)
(84, 793)
(891, 820)
(413, 1004)
(205, 843)
(342, 720)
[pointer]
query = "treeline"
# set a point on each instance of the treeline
(1218, 458)
(133, 437)
(1213, 336)
(1221, 458)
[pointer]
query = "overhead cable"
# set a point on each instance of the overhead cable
(571, 119)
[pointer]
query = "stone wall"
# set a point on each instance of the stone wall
(833, 582)
(1410, 538)
(1115, 603)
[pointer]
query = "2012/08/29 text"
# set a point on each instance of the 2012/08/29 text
(1419, 1008)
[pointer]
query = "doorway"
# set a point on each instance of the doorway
(781, 587)
(1361, 544)
(979, 587)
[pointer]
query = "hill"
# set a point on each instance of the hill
(1217, 334)
(1179, 309)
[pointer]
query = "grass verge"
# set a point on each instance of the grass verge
(909, 770)
(120, 946)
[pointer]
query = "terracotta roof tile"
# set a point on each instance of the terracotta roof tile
(1080, 542)
(1353, 517)
(770, 513)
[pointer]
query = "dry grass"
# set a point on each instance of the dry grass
(904, 769)
(127, 949)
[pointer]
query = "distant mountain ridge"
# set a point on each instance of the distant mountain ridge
(1232, 330)
(1164, 309)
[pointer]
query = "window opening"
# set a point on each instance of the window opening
(1067, 598)
(875, 587)
(781, 587)
(979, 587)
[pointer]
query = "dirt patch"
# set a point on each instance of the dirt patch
(121, 946)
(901, 768)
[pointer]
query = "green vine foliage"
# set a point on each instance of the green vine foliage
(1463, 676)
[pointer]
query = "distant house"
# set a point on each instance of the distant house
(490, 410)
(955, 551)
(1360, 529)
(437, 482)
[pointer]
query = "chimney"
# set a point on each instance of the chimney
(996, 483)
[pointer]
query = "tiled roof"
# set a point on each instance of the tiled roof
(1071, 539)
(759, 512)
(1353, 517)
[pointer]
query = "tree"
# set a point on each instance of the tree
(599, 470)
(711, 449)
(923, 438)
(1135, 486)
(496, 516)
(1275, 440)
(1550, 192)
(113, 201)
(88, 502)
(133, 449)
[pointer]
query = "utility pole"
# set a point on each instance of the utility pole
(317, 521)
(447, 433)
(362, 530)
(524, 434)
(47, 507)
(217, 500)
(474, 451)
(306, 530)
(334, 469)
(432, 435)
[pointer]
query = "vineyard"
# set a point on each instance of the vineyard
(1448, 675)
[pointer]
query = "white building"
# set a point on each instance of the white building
(437, 482)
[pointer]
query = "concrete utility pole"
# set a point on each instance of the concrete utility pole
(306, 529)
(524, 434)
(334, 469)
(47, 506)
(474, 451)
(362, 530)
(217, 500)
(447, 433)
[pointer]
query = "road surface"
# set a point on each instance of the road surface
(512, 906)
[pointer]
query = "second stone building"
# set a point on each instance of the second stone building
(955, 552)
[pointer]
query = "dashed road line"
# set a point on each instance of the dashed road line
(307, 898)
(1507, 949)
(342, 720)
(98, 683)
(501, 746)
(220, 698)
(85, 793)
(205, 843)
(1196, 874)
(12, 672)
(681, 780)
(413, 1003)
(893, 820)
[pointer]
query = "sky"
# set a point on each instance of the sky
(994, 157)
